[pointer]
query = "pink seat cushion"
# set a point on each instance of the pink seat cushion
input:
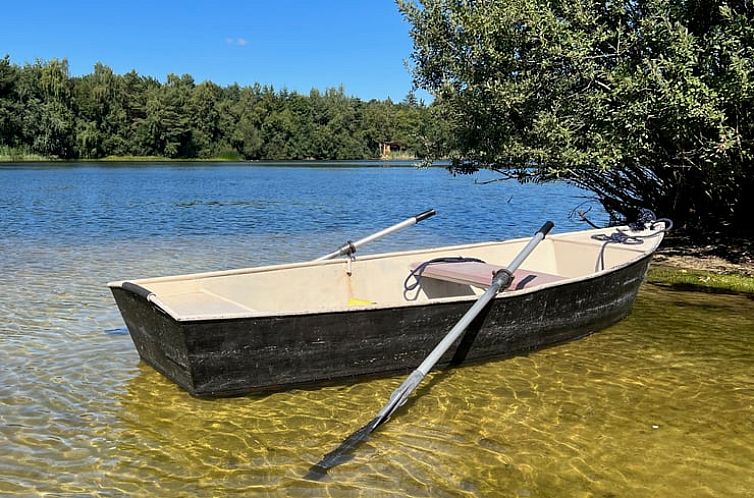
(480, 274)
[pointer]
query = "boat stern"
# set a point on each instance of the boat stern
(158, 337)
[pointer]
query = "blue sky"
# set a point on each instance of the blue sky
(300, 45)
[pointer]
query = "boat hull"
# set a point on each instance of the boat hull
(257, 354)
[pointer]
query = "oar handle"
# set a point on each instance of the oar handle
(424, 215)
(350, 247)
(546, 228)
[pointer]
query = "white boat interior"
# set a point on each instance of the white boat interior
(377, 281)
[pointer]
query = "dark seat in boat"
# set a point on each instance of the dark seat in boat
(480, 274)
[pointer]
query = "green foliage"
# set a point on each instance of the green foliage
(11, 114)
(647, 104)
(44, 112)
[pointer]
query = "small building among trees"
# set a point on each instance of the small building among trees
(387, 147)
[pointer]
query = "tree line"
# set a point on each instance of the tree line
(47, 112)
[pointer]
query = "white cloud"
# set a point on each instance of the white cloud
(237, 41)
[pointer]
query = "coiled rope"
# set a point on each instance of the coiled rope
(646, 217)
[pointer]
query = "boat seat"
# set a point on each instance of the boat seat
(480, 275)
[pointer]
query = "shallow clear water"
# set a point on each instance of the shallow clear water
(661, 404)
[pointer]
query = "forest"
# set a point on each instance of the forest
(47, 113)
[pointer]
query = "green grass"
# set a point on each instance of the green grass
(11, 155)
(130, 158)
(701, 280)
(162, 159)
(19, 157)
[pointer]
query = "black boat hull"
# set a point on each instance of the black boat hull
(245, 355)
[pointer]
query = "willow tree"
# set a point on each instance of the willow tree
(645, 103)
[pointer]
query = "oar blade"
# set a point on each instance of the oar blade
(342, 453)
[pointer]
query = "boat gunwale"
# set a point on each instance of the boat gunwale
(646, 252)
(434, 302)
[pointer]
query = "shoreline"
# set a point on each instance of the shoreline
(717, 266)
(381, 163)
(27, 159)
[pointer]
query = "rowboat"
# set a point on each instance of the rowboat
(336, 320)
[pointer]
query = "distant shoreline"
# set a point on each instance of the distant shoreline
(145, 160)
(31, 158)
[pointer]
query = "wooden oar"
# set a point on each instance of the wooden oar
(350, 247)
(501, 281)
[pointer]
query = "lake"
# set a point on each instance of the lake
(661, 404)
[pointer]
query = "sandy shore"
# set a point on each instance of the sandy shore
(721, 256)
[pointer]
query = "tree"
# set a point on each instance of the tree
(101, 121)
(10, 107)
(56, 115)
(340, 135)
(380, 124)
(646, 104)
(206, 119)
(246, 135)
(164, 130)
